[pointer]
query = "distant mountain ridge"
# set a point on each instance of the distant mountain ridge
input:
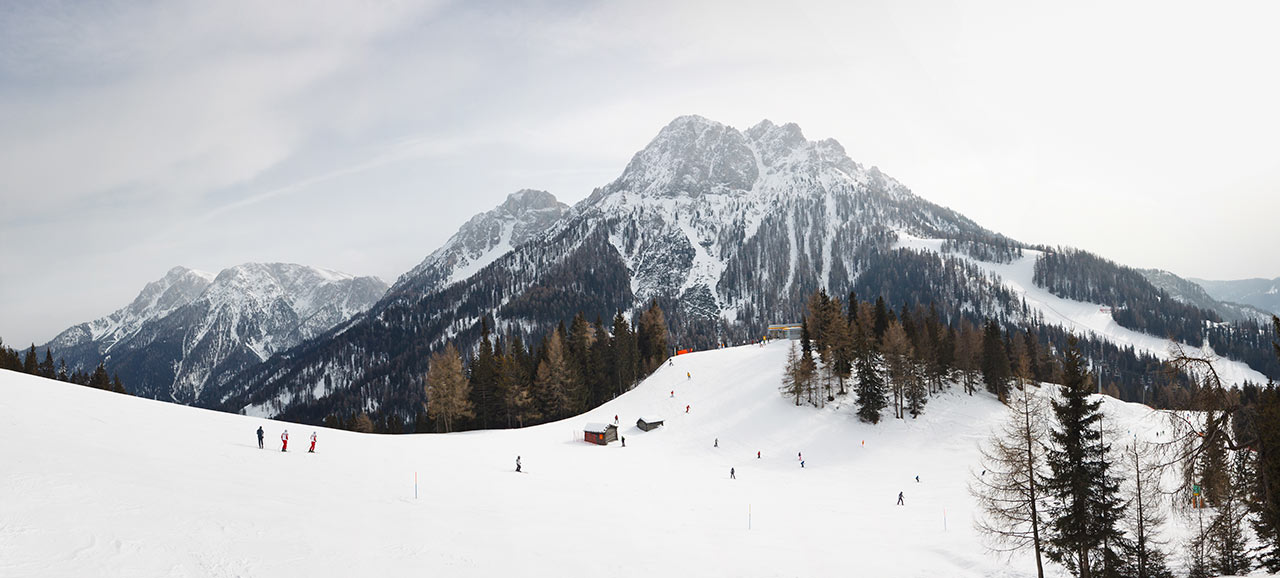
(1193, 293)
(1261, 293)
(190, 332)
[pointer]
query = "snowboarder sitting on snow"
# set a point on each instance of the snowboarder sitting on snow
(284, 441)
(900, 499)
(259, 437)
(313, 443)
(517, 463)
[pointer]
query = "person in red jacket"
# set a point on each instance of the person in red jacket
(284, 441)
(313, 443)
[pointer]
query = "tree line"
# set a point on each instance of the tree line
(898, 359)
(32, 365)
(504, 384)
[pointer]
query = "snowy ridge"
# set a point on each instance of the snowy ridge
(199, 498)
(525, 215)
(1082, 317)
(191, 330)
(177, 288)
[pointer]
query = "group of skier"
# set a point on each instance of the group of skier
(284, 440)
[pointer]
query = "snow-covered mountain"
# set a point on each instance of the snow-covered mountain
(526, 214)
(159, 298)
(190, 330)
(729, 230)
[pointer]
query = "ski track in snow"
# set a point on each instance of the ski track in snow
(1079, 316)
(108, 485)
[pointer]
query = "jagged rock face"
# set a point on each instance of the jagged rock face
(732, 224)
(525, 215)
(190, 332)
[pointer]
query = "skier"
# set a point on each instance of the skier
(917, 479)
(260, 437)
(717, 444)
(673, 393)
(688, 375)
(799, 456)
(731, 476)
(900, 499)
(615, 419)
(686, 409)
(284, 441)
(802, 463)
(624, 441)
(757, 455)
(313, 443)
(517, 464)
(670, 363)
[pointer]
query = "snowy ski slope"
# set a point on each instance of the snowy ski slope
(98, 484)
(1083, 317)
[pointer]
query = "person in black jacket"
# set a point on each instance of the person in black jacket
(260, 437)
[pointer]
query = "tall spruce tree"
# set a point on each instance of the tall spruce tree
(871, 395)
(484, 381)
(995, 361)
(627, 352)
(553, 380)
(1085, 497)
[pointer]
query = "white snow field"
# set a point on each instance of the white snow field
(99, 484)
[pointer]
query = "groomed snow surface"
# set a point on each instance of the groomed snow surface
(99, 484)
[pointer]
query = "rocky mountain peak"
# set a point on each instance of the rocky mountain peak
(691, 156)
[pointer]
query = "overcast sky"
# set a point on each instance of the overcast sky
(142, 135)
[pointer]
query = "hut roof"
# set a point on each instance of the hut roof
(598, 427)
(650, 419)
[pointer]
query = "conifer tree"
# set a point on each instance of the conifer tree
(808, 367)
(513, 384)
(47, 369)
(1144, 516)
(1010, 489)
(627, 351)
(995, 362)
(793, 376)
(553, 380)
(484, 381)
(1086, 505)
(30, 365)
(651, 338)
(898, 358)
(1227, 542)
(1265, 502)
(968, 356)
(881, 320)
(839, 357)
(100, 379)
(447, 389)
(870, 390)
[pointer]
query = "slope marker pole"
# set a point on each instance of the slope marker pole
(415, 485)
